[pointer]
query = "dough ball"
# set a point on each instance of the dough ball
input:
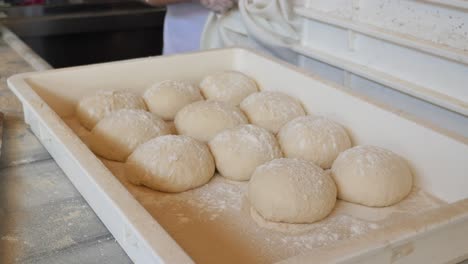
(204, 119)
(229, 86)
(292, 191)
(122, 131)
(171, 164)
(371, 176)
(94, 108)
(316, 139)
(166, 98)
(271, 110)
(238, 151)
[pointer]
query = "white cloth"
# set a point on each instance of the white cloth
(183, 26)
(266, 25)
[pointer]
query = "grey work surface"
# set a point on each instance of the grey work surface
(43, 218)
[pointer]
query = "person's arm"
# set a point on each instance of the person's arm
(165, 2)
(219, 6)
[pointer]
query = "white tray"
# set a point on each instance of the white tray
(213, 224)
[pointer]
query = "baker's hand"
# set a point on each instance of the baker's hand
(219, 6)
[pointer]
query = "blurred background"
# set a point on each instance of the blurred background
(78, 32)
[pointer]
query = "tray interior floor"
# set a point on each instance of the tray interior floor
(215, 224)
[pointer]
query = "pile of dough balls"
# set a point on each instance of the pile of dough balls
(264, 137)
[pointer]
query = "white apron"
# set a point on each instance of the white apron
(264, 25)
(183, 27)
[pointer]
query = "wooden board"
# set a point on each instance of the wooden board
(1, 131)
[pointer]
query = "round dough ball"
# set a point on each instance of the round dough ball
(94, 108)
(271, 110)
(119, 133)
(171, 164)
(317, 139)
(166, 98)
(371, 176)
(228, 86)
(238, 151)
(292, 191)
(204, 119)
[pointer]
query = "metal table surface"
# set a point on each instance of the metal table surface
(43, 218)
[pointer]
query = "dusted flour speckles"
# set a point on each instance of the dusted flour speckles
(271, 110)
(238, 151)
(204, 119)
(317, 139)
(292, 191)
(371, 176)
(93, 108)
(219, 212)
(122, 131)
(228, 86)
(166, 98)
(171, 163)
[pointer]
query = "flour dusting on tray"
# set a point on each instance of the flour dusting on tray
(215, 223)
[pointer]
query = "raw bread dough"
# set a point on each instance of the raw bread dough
(292, 191)
(171, 164)
(228, 86)
(204, 119)
(271, 110)
(120, 132)
(317, 139)
(238, 151)
(371, 176)
(93, 108)
(166, 98)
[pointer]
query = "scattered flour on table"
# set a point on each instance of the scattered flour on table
(9, 238)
